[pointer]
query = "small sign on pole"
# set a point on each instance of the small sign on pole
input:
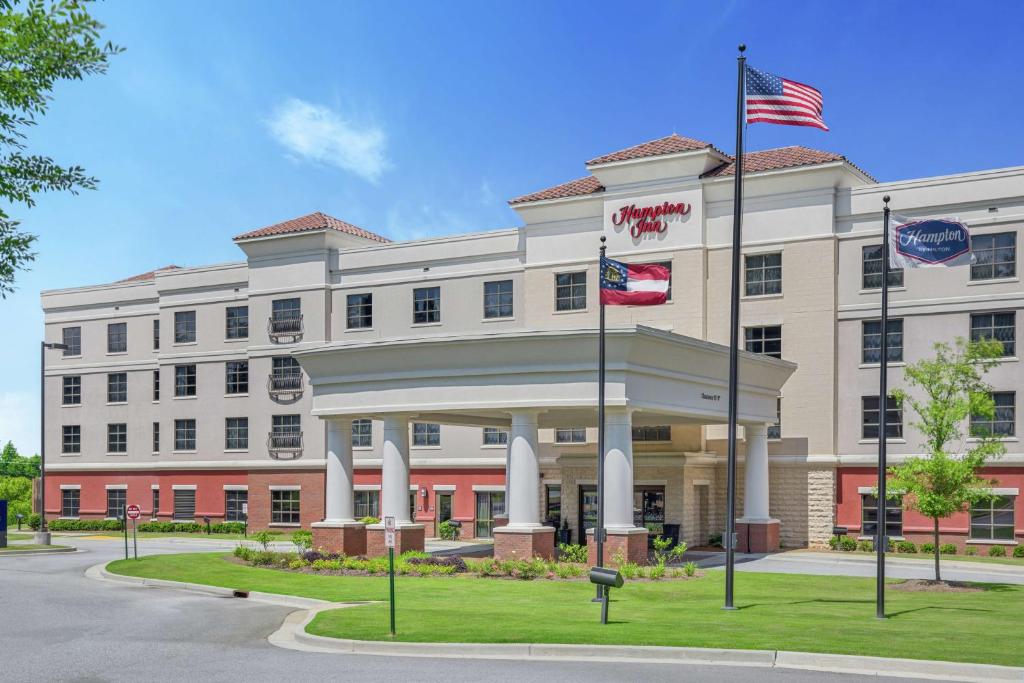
(389, 542)
(134, 512)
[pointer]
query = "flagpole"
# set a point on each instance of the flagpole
(881, 540)
(734, 325)
(599, 531)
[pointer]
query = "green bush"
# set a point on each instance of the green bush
(448, 531)
(302, 539)
(630, 570)
(370, 520)
(833, 542)
(243, 552)
(656, 571)
(263, 538)
(947, 549)
(664, 551)
(928, 548)
(33, 521)
(865, 546)
(848, 544)
(172, 527)
(971, 551)
(1018, 551)
(228, 528)
(331, 565)
(565, 570)
(86, 525)
(907, 547)
(997, 551)
(690, 568)
(715, 540)
(573, 552)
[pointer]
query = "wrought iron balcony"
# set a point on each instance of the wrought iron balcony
(279, 327)
(286, 384)
(280, 443)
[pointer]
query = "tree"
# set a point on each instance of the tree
(945, 480)
(16, 475)
(40, 44)
(13, 464)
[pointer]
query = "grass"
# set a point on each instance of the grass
(18, 537)
(776, 611)
(28, 546)
(155, 534)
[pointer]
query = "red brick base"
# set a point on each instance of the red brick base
(406, 538)
(349, 540)
(632, 547)
(757, 537)
(522, 545)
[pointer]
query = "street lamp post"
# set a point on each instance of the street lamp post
(42, 536)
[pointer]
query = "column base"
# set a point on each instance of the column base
(408, 537)
(40, 537)
(346, 538)
(511, 543)
(757, 535)
(628, 544)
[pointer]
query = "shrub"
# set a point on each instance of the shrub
(663, 552)
(947, 549)
(906, 547)
(243, 552)
(565, 570)
(172, 527)
(1018, 551)
(448, 531)
(303, 540)
(33, 521)
(331, 565)
(971, 551)
(848, 544)
(262, 558)
(715, 540)
(298, 563)
(928, 548)
(997, 551)
(370, 520)
(457, 564)
(263, 538)
(833, 542)
(86, 525)
(409, 554)
(228, 528)
(690, 568)
(656, 571)
(866, 546)
(630, 570)
(573, 552)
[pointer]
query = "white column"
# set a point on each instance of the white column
(523, 473)
(755, 476)
(394, 495)
(618, 470)
(340, 503)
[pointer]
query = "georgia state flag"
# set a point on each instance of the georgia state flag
(633, 284)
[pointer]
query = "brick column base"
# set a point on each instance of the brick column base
(410, 537)
(632, 544)
(757, 537)
(523, 544)
(347, 538)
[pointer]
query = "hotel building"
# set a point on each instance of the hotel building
(334, 375)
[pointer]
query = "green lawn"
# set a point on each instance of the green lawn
(27, 546)
(776, 611)
(15, 536)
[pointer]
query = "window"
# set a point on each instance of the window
(184, 380)
(498, 299)
(70, 500)
(117, 387)
(236, 433)
(184, 504)
(871, 269)
(1003, 423)
(71, 440)
(775, 429)
(115, 503)
(426, 305)
(72, 338)
(237, 377)
(184, 435)
(426, 434)
(489, 505)
(284, 507)
(367, 504)
(72, 395)
(660, 433)
(285, 374)
(869, 516)
(156, 385)
(553, 505)
(184, 327)
(871, 341)
(236, 322)
(156, 437)
(156, 334)
(763, 274)
(999, 326)
(766, 340)
(286, 316)
(993, 256)
(359, 311)
(571, 435)
(234, 506)
(286, 432)
(117, 337)
(156, 502)
(117, 438)
(869, 418)
(992, 520)
(495, 436)
(362, 433)
(571, 291)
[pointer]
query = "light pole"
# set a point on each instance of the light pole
(43, 535)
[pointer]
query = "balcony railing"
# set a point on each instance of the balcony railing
(290, 384)
(279, 327)
(279, 443)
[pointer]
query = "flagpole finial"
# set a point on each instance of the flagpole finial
(603, 239)
(743, 47)
(885, 199)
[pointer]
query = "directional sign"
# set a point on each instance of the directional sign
(133, 511)
(389, 532)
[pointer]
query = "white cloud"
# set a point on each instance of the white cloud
(19, 421)
(316, 133)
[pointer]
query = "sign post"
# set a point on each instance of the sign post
(133, 512)
(389, 541)
(124, 525)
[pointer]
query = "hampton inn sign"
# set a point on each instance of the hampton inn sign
(649, 219)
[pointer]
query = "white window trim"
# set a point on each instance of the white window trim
(366, 487)
(1010, 491)
(183, 487)
(286, 487)
(444, 488)
(155, 487)
(414, 487)
(702, 482)
(236, 487)
(116, 487)
(488, 488)
(70, 487)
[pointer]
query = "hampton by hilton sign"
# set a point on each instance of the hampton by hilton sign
(652, 219)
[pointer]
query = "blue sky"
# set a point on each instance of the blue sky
(415, 119)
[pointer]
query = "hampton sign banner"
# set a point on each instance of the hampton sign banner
(928, 243)
(648, 220)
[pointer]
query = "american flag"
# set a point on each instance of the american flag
(773, 99)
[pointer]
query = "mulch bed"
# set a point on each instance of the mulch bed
(933, 586)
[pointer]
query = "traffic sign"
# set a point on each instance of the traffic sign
(389, 532)
(133, 511)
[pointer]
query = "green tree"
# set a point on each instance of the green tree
(16, 475)
(41, 43)
(951, 389)
(13, 464)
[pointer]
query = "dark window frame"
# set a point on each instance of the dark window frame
(986, 249)
(1003, 424)
(763, 339)
(571, 291)
(71, 390)
(117, 337)
(236, 377)
(893, 416)
(71, 439)
(871, 341)
(185, 380)
(117, 437)
(156, 334)
(983, 516)
(72, 338)
(183, 504)
(869, 274)
(70, 503)
(285, 506)
(362, 433)
(236, 433)
(652, 434)
(359, 311)
(426, 434)
(184, 434)
(893, 516)
(570, 435)
(763, 265)
(184, 327)
(426, 305)
(236, 322)
(116, 501)
(998, 328)
(117, 387)
(499, 299)
(234, 499)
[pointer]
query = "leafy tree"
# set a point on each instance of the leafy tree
(16, 475)
(41, 43)
(12, 464)
(945, 480)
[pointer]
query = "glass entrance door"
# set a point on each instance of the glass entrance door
(588, 510)
(649, 509)
(488, 505)
(443, 505)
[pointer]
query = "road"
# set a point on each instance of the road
(58, 625)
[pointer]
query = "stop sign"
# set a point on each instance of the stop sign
(133, 511)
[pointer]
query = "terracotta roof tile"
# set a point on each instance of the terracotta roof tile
(783, 157)
(573, 188)
(151, 275)
(313, 221)
(671, 144)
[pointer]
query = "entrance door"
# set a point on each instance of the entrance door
(649, 510)
(588, 510)
(488, 506)
(443, 505)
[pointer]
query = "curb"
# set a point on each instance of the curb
(292, 635)
(37, 551)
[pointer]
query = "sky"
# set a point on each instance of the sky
(415, 119)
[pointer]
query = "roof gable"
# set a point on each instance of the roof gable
(670, 144)
(310, 222)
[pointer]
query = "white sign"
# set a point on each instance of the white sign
(133, 511)
(389, 532)
(245, 508)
